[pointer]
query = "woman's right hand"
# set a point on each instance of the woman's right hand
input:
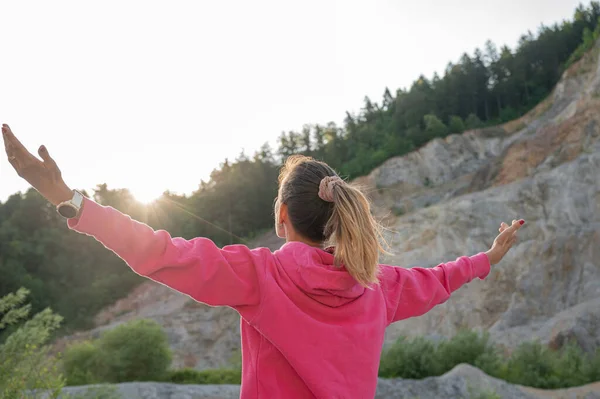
(505, 240)
(44, 176)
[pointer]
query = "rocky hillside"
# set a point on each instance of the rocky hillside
(544, 168)
(447, 199)
(462, 382)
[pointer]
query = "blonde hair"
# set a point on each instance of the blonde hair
(341, 219)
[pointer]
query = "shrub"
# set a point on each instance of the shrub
(456, 124)
(531, 364)
(134, 351)
(420, 358)
(491, 363)
(434, 127)
(569, 365)
(473, 122)
(591, 368)
(26, 364)
(82, 364)
(535, 365)
(415, 358)
(465, 347)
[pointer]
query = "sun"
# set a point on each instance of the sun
(146, 195)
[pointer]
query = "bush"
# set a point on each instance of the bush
(26, 364)
(135, 351)
(531, 364)
(535, 365)
(415, 358)
(569, 365)
(473, 122)
(420, 358)
(82, 364)
(217, 376)
(491, 363)
(465, 347)
(456, 124)
(434, 127)
(591, 368)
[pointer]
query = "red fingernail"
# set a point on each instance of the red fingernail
(521, 221)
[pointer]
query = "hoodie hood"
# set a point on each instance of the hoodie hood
(314, 272)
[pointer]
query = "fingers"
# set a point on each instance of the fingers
(16, 152)
(6, 139)
(43, 153)
(9, 136)
(503, 226)
(516, 224)
(9, 146)
(506, 234)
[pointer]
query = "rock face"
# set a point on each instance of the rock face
(547, 172)
(462, 382)
(446, 200)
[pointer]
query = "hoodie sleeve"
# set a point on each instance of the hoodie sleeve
(414, 291)
(197, 267)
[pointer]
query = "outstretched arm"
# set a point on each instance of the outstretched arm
(414, 291)
(229, 276)
(197, 267)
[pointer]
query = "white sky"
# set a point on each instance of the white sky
(153, 95)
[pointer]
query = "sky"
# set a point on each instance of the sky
(152, 96)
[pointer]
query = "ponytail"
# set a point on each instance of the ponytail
(355, 234)
(326, 210)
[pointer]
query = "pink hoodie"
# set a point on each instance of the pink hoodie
(308, 329)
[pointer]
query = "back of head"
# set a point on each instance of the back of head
(324, 209)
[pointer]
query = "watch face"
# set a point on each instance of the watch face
(67, 211)
(77, 198)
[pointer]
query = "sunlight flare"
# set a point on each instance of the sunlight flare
(146, 195)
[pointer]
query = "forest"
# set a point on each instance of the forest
(76, 276)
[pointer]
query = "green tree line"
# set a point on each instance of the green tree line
(76, 276)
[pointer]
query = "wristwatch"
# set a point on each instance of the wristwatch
(70, 209)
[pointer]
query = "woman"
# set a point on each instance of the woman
(313, 313)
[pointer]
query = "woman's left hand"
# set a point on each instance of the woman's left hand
(505, 240)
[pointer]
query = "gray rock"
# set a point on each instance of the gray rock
(151, 390)
(548, 284)
(462, 382)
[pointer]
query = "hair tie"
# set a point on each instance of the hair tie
(326, 187)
